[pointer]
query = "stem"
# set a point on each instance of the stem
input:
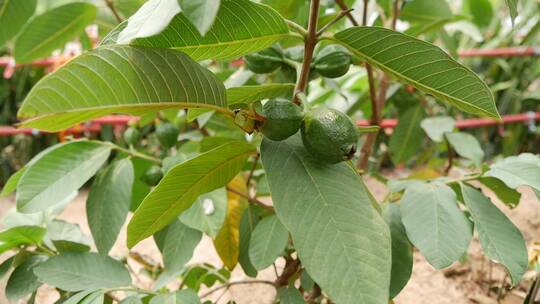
(310, 43)
(111, 6)
(134, 289)
(464, 179)
(131, 152)
(333, 21)
(343, 6)
(251, 199)
(291, 267)
(297, 27)
(229, 284)
(377, 101)
(450, 158)
(255, 162)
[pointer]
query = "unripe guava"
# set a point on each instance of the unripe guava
(131, 136)
(167, 134)
(283, 119)
(332, 61)
(329, 135)
(265, 61)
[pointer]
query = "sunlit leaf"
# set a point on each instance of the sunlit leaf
(13, 15)
(252, 93)
(422, 64)
(120, 79)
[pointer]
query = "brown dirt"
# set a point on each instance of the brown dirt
(476, 281)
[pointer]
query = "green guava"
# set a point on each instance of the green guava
(283, 119)
(152, 176)
(332, 61)
(167, 134)
(329, 135)
(265, 61)
(131, 136)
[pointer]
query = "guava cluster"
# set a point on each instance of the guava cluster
(327, 134)
(330, 61)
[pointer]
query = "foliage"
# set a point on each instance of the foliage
(239, 100)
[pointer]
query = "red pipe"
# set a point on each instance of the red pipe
(502, 52)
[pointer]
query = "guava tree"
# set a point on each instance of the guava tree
(221, 143)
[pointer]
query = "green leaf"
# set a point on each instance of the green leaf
(74, 271)
(78, 297)
(51, 30)
(517, 171)
(120, 79)
(434, 223)
(57, 172)
(67, 237)
(422, 64)
(340, 238)
(507, 195)
(22, 280)
(290, 295)
(20, 235)
(466, 146)
(500, 239)
(12, 183)
(248, 221)
(96, 297)
(184, 296)
(425, 11)
(512, 6)
(176, 243)
(252, 93)
(288, 9)
(6, 266)
(13, 15)
(407, 137)
(151, 19)
(235, 32)
(185, 182)
(207, 214)
(402, 251)
(202, 13)
(268, 242)
(227, 242)
(131, 300)
(140, 189)
(435, 127)
(108, 203)
(480, 10)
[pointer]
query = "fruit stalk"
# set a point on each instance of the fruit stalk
(310, 43)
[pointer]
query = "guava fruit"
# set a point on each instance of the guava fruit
(282, 119)
(329, 135)
(265, 61)
(152, 176)
(167, 134)
(332, 61)
(131, 136)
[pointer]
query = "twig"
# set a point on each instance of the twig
(229, 284)
(314, 294)
(111, 6)
(310, 43)
(297, 27)
(291, 267)
(333, 21)
(343, 6)
(450, 157)
(132, 153)
(251, 199)
(255, 162)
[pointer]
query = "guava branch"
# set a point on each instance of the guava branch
(309, 46)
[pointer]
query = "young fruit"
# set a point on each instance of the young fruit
(265, 61)
(167, 134)
(152, 176)
(131, 136)
(283, 119)
(332, 61)
(329, 135)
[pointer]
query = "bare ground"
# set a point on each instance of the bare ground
(476, 281)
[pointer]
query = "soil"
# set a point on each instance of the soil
(477, 280)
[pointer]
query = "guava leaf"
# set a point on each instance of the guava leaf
(340, 237)
(108, 203)
(74, 271)
(268, 241)
(181, 186)
(422, 64)
(120, 79)
(57, 172)
(13, 16)
(500, 239)
(51, 30)
(252, 93)
(235, 32)
(434, 223)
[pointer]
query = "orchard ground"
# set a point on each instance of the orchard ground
(475, 281)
